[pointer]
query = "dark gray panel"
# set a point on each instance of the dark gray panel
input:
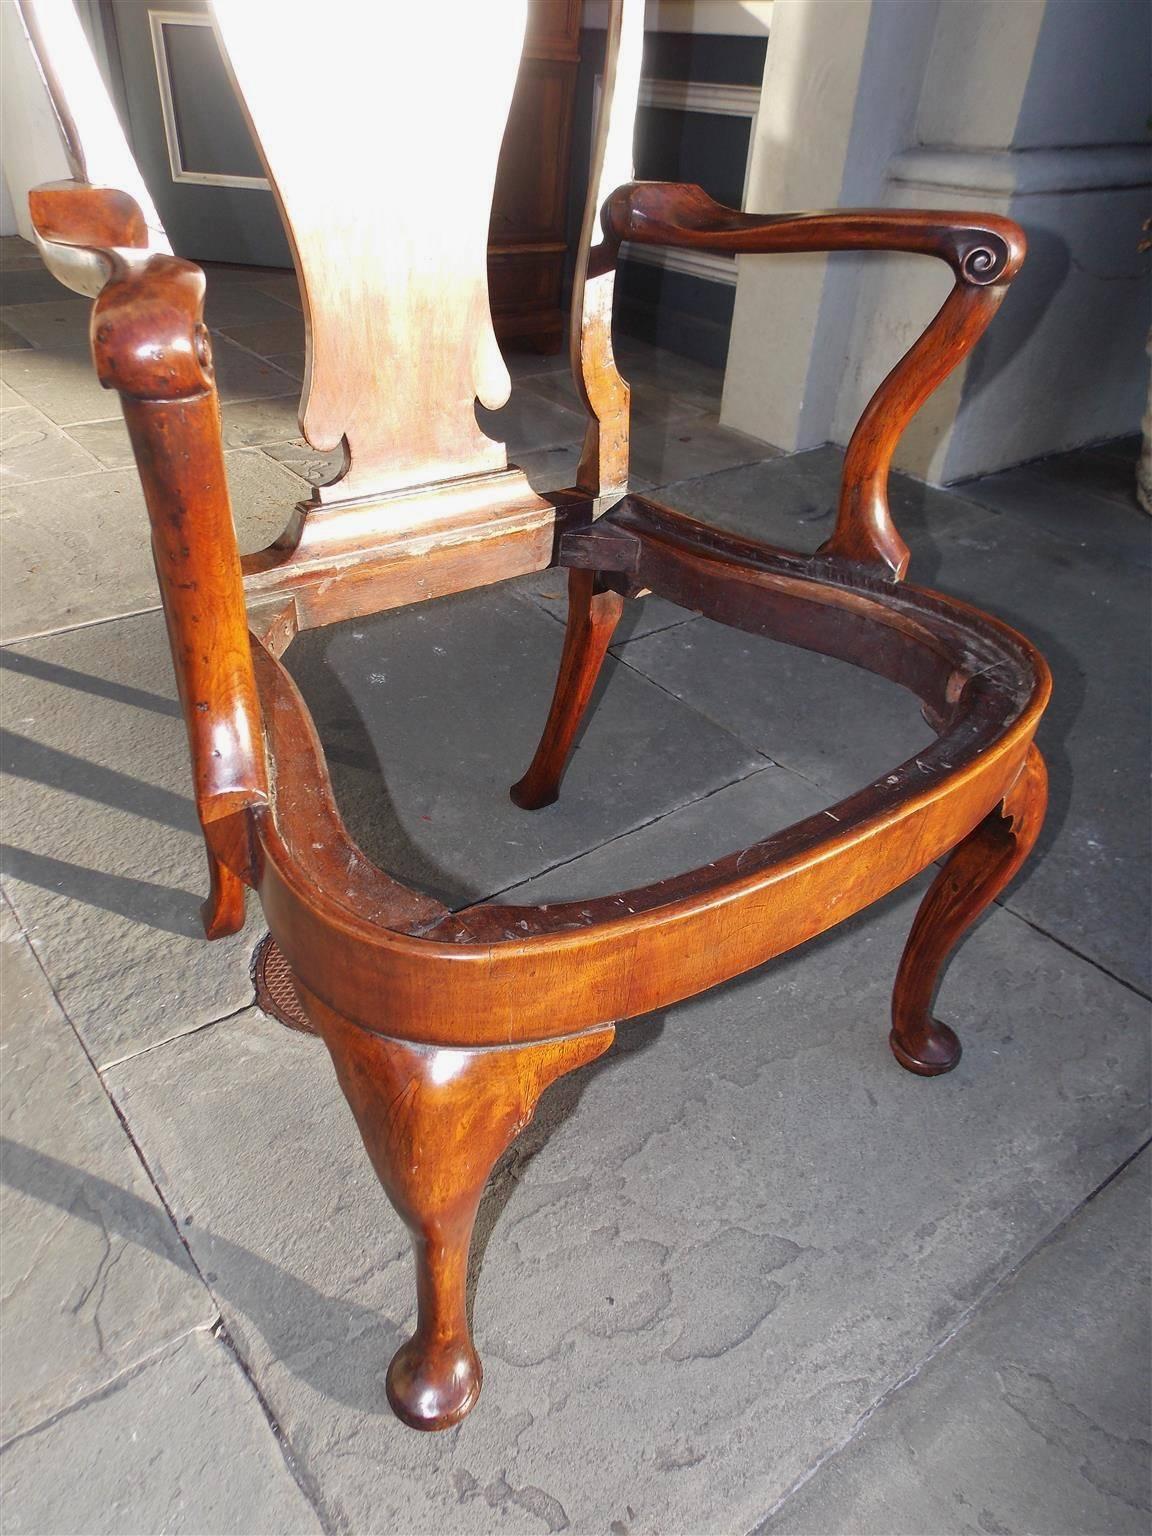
(214, 138)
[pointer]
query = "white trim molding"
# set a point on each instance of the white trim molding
(724, 18)
(701, 96)
(716, 100)
(702, 264)
(1026, 172)
(157, 21)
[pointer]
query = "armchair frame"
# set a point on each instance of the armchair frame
(445, 1026)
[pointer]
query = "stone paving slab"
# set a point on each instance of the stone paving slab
(649, 401)
(181, 1445)
(245, 424)
(640, 361)
(1035, 1418)
(35, 448)
(430, 714)
(529, 422)
(85, 554)
(10, 341)
(721, 823)
(710, 1256)
(30, 283)
(60, 322)
(94, 1275)
(104, 860)
(663, 452)
(1088, 612)
(1087, 498)
(790, 501)
(62, 382)
(643, 616)
(834, 724)
(285, 333)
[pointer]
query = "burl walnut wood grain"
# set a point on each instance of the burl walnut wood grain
(446, 1026)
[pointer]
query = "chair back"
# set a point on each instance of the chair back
(382, 153)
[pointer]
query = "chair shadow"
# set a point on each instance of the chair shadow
(165, 908)
(291, 1314)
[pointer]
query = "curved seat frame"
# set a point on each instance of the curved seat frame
(444, 1026)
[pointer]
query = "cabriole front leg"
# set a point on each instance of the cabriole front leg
(434, 1121)
(976, 872)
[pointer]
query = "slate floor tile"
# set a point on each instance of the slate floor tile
(94, 1275)
(649, 401)
(528, 423)
(291, 363)
(228, 301)
(1084, 603)
(641, 363)
(245, 424)
(10, 340)
(181, 1445)
(642, 616)
(664, 451)
(790, 502)
(834, 724)
(527, 363)
(550, 469)
(689, 838)
(17, 253)
(61, 322)
(309, 464)
(62, 383)
(103, 860)
(1032, 1419)
(1086, 498)
(430, 714)
(30, 283)
(79, 551)
(280, 285)
(34, 448)
(711, 1255)
(270, 336)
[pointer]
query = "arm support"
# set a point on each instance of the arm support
(150, 344)
(984, 252)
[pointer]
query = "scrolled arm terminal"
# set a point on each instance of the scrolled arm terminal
(984, 251)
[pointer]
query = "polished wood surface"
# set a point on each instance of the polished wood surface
(592, 620)
(976, 871)
(395, 287)
(434, 1123)
(983, 250)
(444, 1027)
(528, 238)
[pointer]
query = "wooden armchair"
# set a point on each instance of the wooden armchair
(446, 1026)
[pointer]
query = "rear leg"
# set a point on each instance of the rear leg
(592, 619)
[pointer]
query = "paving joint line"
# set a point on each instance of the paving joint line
(619, 836)
(282, 1440)
(296, 1468)
(1072, 950)
(968, 1316)
(751, 746)
(185, 1034)
(113, 1384)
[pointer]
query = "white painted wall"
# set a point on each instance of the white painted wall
(7, 211)
(1032, 108)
